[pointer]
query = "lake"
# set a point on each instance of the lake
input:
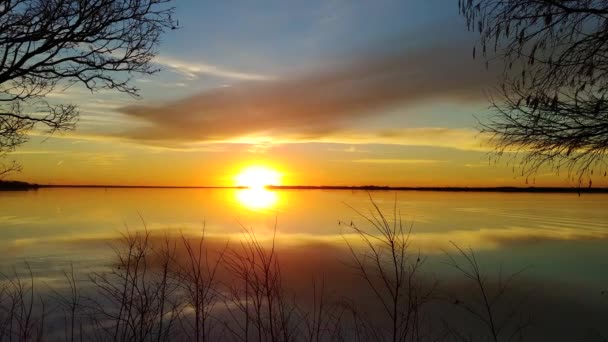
(560, 241)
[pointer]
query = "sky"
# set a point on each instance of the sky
(326, 92)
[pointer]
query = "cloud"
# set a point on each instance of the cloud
(465, 139)
(192, 70)
(17, 152)
(320, 104)
(152, 146)
(479, 164)
(397, 161)
(454, 138)
(349, 149)
(92, 158)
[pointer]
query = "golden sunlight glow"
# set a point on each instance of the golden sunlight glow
(257, 177)
(257, 198)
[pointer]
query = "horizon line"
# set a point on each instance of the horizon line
(530, 189)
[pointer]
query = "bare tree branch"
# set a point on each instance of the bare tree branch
(97, 44)
(552, 105)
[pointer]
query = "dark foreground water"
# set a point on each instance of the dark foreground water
(559, 241)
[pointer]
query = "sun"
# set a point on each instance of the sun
(258, 177)
(257, 199)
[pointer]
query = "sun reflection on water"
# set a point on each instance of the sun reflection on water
(257, 198)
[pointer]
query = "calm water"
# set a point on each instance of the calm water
(561, 240)
(558, 236)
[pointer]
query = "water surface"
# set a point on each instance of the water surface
(561, 240)
(559, 236)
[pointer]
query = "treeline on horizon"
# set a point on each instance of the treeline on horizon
(17, 185)
(20, 185)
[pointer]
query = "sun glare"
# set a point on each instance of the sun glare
(258, 177)
(257, 199)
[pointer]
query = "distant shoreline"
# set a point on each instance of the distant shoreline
(22, 186)
(506, 189)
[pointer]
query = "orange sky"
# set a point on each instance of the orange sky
(304, 89)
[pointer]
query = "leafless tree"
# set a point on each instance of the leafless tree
(552, 107)
(137, 300)
(490, 303)
(70, 304)
(392, 274)
(198, 278)
(22, 312)
(258, 303)
(46, 44)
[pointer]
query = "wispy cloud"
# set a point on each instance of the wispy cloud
(152, 146)
(349, 149)
(441, 137)
(397, 161)
(23, 152)
(92, 158)
(192, 70)
(479, 164)
(319, 105)
(454, 138)
(466, 139)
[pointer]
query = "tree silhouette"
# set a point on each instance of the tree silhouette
(49, 43)
(552, 107)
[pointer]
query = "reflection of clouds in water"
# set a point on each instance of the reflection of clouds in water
(561, 313)
(496, 238)
(425, 242)
(538, 219)
(20, 220)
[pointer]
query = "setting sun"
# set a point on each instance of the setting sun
(168, 165)
(257, 177)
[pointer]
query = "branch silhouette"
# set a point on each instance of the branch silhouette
(551, 107)
(45, 44)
